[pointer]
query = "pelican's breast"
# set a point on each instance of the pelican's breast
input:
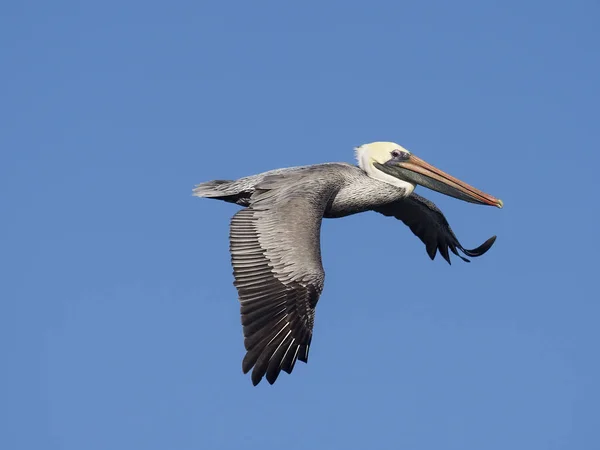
(361, 193)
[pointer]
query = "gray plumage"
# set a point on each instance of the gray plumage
(276, 255)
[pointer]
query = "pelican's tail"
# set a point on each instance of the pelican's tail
(226, 190)
(215, 188)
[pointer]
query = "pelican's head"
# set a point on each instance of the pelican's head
(393, 164)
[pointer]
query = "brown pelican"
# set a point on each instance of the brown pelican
(275, 239)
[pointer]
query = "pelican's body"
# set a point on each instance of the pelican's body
(350, 189)
(275, 239)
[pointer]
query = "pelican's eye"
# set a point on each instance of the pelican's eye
(400, 154)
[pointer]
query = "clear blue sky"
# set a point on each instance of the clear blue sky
(119, 324)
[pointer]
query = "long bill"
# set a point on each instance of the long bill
(417, 171)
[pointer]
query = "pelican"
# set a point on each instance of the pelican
(275, 239)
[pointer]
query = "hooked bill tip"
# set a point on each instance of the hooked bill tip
(500, 204)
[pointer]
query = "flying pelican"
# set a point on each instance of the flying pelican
(275, 239)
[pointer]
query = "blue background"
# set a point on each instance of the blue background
(119, 324)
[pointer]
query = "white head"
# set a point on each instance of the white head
(393, 164)
(382, 152)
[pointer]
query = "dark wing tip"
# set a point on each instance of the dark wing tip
(256, 378)
(445, 254)
(483, 248)
(453, 249)
(431, 248)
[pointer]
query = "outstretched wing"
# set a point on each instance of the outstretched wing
(276, 258)
(428, 223)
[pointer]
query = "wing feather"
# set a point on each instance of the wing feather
(428, 223)
(276, 258)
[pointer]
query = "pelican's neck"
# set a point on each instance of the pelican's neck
(366, 164)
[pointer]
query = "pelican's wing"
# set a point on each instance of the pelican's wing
(428, 223)
(276, 258)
